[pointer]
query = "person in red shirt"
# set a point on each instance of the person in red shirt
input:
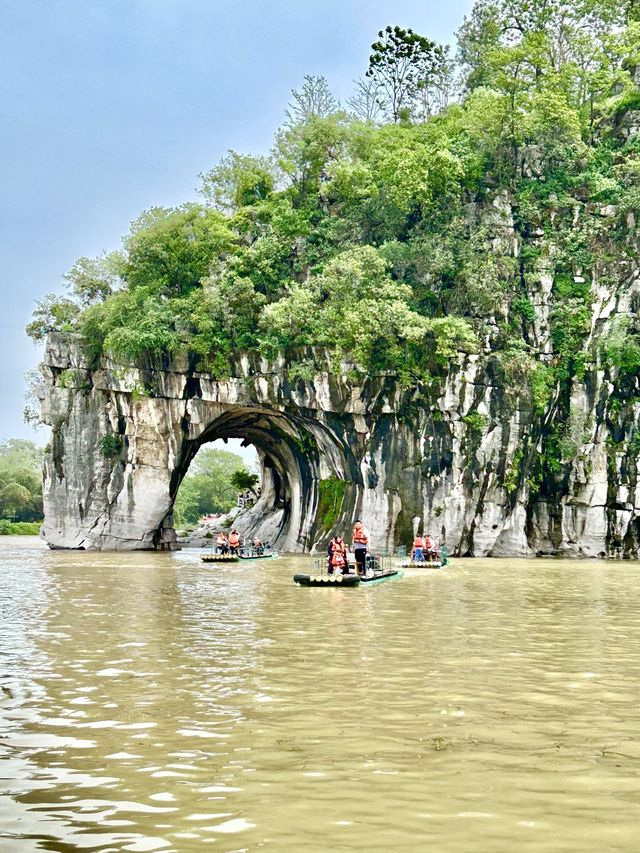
(417, 555)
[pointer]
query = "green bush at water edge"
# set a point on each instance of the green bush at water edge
(19, 528)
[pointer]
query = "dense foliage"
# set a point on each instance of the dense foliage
(210, 485)
(365, 230)
(20, 483)
(19, 528)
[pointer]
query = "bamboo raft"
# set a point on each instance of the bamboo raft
(341, 581)
(378, 569)
(220, 558)
(272, 556)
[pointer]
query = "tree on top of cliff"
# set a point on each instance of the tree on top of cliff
(313, 98)
(399, 242)
(402, 64)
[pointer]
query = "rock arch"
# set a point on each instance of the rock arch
(123, 438)
(333, 448)
(297, 454)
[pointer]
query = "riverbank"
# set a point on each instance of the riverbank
(19, 528)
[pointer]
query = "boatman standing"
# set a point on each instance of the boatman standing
(360, 545)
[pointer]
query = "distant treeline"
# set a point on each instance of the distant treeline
(20, 486)
(211, 485)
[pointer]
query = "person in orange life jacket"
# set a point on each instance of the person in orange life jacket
(234, 542)
(418, 550)
(338, 563)
(430, 549)
(336, 555)
(221, 543)
(360, 545)
(258, 546)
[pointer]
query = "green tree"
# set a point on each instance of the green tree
(358, 310)
(20, 480)
(52, 314)
(208, 485)
(237, 181)
(15, 499)
(245, 481)
(170, 251)
(401, 62)
(314, 98)
(94, 279)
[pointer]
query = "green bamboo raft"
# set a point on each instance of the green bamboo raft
(272, 556)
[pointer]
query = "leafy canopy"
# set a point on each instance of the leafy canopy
(409, 228)
(20, 480)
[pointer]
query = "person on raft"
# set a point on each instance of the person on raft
(337, 556)
(360, 546)
(430, 548)
(258, 547)
(234, 542)
(417, 555)
(222, 545)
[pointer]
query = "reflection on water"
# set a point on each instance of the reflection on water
(151, 702)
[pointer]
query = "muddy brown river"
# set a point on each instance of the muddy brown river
(152, 702)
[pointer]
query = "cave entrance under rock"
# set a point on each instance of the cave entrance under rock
(207, 490)
(295, 455)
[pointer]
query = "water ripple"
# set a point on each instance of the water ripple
(148, 702)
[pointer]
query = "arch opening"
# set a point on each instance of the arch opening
(222, 478)
(295, 456)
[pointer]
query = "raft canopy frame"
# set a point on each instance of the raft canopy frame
(378, 568)
(252, 554)
(405, 561)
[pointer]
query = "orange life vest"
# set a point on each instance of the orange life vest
(337, 559)
(221, 539)
(419, 542)
(338, 547)
(234, 540)
(359, 536)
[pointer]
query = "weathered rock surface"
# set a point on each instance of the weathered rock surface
(333, 450)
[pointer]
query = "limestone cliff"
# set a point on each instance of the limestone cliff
(463, 453)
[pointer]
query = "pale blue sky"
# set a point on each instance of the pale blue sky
(111, 106)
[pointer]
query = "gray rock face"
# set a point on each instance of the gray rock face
(333, 451)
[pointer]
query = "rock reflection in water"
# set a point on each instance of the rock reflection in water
(150, 702)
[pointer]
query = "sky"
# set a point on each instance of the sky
(110, 107)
